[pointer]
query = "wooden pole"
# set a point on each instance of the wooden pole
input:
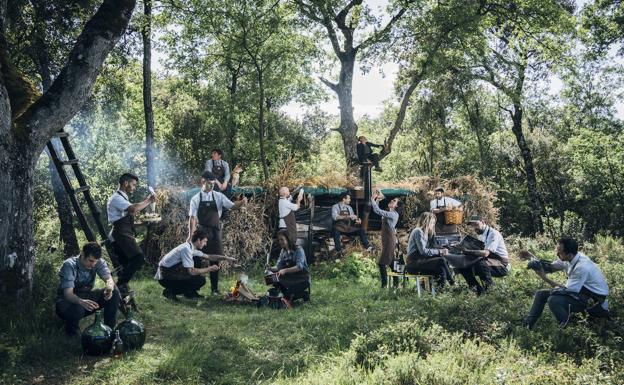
(310, 250)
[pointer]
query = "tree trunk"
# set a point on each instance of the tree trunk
(533, 193)
(23, 135)
(147, 92)
(348, 128)
(261, 127)
(233, 88)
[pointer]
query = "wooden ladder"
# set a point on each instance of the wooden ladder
(72, 192)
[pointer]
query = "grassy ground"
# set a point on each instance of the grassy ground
(351, 332)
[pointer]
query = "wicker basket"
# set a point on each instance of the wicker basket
(453, 217)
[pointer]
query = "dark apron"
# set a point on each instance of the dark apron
(82, 290)
(291, 226)
(123, 235)
(209, 221)
(218, 171)
(344, 225)
(441, 227)
(176, 272)
(388, 243)
(493, 259)
(300, 279)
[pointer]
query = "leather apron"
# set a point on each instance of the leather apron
(440, 227)
(123, 235)
(388, 243)
(209, 221)
(299, 278)
(344, 225)
(291, 226)
(219, 173)
(493, 259)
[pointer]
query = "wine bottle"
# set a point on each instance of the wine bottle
(118, 346)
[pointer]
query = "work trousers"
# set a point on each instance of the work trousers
(72, 313)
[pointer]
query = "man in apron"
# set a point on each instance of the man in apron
(494, 260)
(76, 298)
(177, 272)
(389, 220)
(343, 215)
(205, 213)
(221, 170)
(585, 290)
(438, 206)
(287, 209)
(121, 215)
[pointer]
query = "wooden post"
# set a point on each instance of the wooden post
(310, 251)
(368, 185)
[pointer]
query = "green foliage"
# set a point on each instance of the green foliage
(354, 267)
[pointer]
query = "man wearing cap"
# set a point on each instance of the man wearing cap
(494, 260)
(221, 170)
(129, 256)
(438, 206)
(205, 213)
(365, 152)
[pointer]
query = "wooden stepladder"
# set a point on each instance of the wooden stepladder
(73, 192)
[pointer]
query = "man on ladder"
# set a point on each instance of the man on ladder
(121, 215)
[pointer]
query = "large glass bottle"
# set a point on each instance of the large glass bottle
(132, 332)
(97, 339)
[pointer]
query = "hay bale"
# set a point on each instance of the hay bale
(245, 231)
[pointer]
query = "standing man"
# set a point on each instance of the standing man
(365, 152)
(585, 290)
(205, 214)
(121, 215)
(177, 272)
(438, 206)
(221, 170)
(287, 210)
(342, 215)
(76, 298)
(495, 258)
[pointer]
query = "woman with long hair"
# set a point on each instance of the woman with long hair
(292, 269)
(421, 259)
(389, 220)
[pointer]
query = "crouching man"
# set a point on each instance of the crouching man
(177, 272)
(292, 270)
(76, 297)
(585, 290)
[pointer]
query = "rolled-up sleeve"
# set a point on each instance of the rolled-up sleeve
(102, 269)
(225, 202)
(194, 206)
(67, 276)
(335, 212)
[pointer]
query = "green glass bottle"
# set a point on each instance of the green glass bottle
(97, 339)
(132, 332)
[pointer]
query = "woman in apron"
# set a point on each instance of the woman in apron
(292, 270)
(389, 220)
(421, 259)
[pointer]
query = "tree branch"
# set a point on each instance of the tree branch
(55, 108)
(333, 86)
(380, 35)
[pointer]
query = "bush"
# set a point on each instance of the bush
(354, 267)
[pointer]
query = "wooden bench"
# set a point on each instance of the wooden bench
(424, 282)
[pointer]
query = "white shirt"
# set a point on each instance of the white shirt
(582, 271)
(182, 253)
(444, 201)
(286, 206)
(495, 243)
(117, 206)
(221, 200)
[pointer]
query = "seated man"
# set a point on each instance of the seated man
(365, 152)
(342, 214)
(292, 270)
(177, 272)
(495, 259)
(76, 298)
(585, 290)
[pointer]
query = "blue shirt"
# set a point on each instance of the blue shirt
(391, 217)
(73, 273)
(293, 258)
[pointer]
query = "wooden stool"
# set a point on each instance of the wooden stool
(400, 276)
(427, 282)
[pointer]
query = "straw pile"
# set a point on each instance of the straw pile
(245, 231)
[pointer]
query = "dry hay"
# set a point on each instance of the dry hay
(245, 231)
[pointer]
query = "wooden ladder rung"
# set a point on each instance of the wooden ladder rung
(82, 189)
(61, 134)
(69, 162)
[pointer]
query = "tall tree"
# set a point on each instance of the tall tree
(28, 120)
(146, 33)
(340, 19)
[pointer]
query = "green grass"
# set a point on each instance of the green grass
(352, 332)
